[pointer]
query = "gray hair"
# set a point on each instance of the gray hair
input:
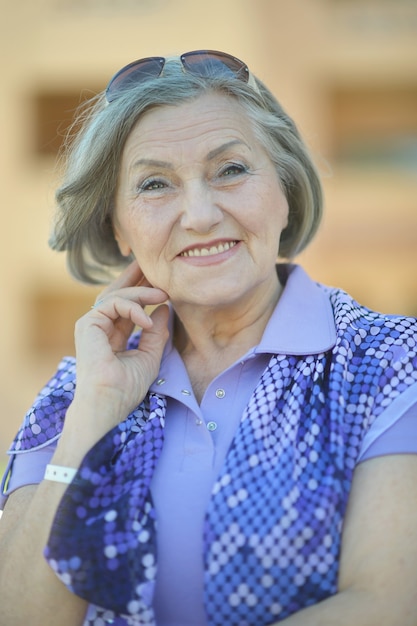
(83, 224)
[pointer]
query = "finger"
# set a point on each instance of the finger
(131, 276)
(115, 308)
(128, 306)
(143, 296)
(153, 340)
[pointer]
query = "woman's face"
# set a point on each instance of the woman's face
(199, 203)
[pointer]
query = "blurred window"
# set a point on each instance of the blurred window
(54, 113)
(374, 125)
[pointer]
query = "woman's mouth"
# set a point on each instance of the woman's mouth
(210, 250)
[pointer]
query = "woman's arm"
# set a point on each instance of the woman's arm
(378, 568)
(111, 382)
(30, 591)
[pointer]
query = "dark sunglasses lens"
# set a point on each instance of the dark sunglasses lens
(133, 74)
(208, 63)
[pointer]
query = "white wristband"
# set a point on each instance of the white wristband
(59, 474)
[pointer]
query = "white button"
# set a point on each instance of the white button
(198, 422)
(211, 426)
(185, 392)
(220, 393)
(160, 381)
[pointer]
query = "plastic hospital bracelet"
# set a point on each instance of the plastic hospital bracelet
(59, 474)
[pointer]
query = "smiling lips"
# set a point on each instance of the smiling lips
(212, 250)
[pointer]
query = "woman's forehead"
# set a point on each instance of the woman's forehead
(199, 120)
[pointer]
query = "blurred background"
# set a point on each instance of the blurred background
(346, 70)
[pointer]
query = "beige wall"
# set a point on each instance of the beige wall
(300, 48)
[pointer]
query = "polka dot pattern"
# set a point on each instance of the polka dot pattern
(273, 526)
(44, 421)
(102, 543)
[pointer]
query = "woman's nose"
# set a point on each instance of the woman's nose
(199, 211)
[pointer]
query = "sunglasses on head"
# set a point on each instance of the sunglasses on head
(204, 63)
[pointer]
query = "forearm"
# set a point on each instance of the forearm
(30, 590)
(24, 533)
(355, 608)
(31, 593)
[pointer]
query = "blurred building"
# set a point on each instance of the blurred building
(346, 70)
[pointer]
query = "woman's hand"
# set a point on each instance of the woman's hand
(112, 381)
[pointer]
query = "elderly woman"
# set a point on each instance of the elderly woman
(248, 456)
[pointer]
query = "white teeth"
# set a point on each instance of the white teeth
(222, 247)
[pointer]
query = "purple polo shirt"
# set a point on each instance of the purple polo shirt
(198, 436)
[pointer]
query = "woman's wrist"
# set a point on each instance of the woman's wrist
(85, 424)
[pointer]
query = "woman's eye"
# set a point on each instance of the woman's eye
(153, 184)
(232, 169)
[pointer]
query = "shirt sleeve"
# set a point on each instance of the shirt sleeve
(25, 469)
(36, 439)
(397, 438)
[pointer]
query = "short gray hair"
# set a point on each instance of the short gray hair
(83, 224)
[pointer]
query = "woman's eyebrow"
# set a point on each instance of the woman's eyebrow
(211, 155)
(151, 163)
(224, 147)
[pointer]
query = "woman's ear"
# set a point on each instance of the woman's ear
(125, 249)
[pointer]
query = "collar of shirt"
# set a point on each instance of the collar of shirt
(301, 323)
(303, 320)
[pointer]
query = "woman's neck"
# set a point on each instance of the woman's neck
(211, 339)
(231, 331)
